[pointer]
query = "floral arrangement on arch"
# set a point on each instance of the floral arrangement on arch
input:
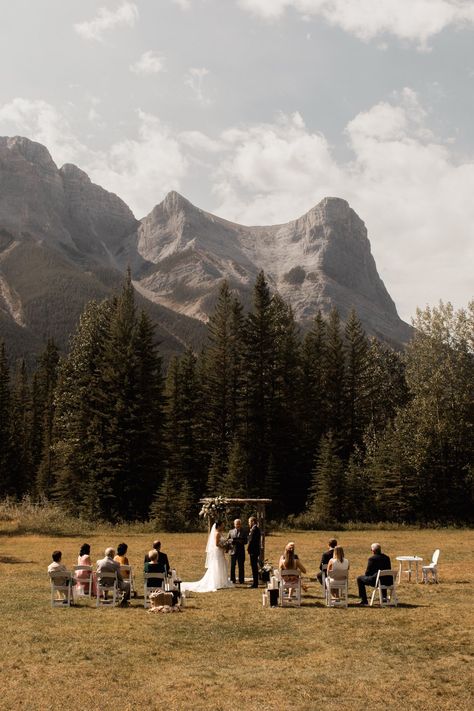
(214, 508)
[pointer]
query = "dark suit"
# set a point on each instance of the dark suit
(238, 538)
(376, 562)
(325, 558)
(253, 549)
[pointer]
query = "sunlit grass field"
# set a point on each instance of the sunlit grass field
(225, 651)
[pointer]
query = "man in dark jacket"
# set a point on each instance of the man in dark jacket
(377, 561)
(253, 549)
(162, 560)
(325, 558)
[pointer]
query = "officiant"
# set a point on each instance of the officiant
(238, 539)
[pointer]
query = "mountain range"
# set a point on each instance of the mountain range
(65, 240)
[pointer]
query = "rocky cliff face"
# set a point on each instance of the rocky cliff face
(64, 240)
(318, 261)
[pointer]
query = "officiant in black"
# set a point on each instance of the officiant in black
(238, 538)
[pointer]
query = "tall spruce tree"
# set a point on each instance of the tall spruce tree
(7, 479)
(335, 385)
(21, 418)
(356, 382)
(326, 494)
(312, 399)
(222, 377)
(258, 384)
(44, 386)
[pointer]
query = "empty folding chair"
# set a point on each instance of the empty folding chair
(431, 568)
(386, 588)
(61, 588)
(107, 589)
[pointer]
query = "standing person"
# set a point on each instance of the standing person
(325, 558)
(377, 561)
(238, 539)
(216, 575)
(253, 549)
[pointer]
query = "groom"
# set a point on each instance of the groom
(238, 539)
(253, 549)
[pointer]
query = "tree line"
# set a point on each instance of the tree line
(333, 426)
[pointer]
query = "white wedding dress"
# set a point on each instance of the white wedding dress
(216, 576)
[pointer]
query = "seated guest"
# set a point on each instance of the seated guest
(122, 559)
(162, 559)
(109, 565)
(338, 567)
(153, 566)
(83, 576)
(56, 567)
(377, 561)
(325, 558)
(290, 561)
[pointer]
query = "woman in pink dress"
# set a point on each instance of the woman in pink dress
(83, 576)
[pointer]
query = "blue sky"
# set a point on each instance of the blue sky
(257, 109)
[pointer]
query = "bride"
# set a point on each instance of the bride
(216, 575)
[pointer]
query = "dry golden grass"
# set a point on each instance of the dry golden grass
(227, 652)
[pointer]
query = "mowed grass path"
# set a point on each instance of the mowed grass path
(225, 651)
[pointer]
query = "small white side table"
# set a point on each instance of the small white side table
(408, 559)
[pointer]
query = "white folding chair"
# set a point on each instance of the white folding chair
(431, 568)
(387, 592)
(324, 570)
(129, 578)
(107, 589)
(61, 588)
(81, 581)
(290, 588)
(154, 588)
(340, 586)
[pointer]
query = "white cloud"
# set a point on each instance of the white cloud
(125, 15)
(183, 4)
(194, 78)
(142, 170)
(410, 20)
(403, 181)
(150, 62)
(42, 122)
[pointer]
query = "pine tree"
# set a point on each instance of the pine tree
(235, 484)
(21, 417)
(356, 382)
(44, 386)
(335, 387)
(258, 381)
(223, 373)
(326, 494)
(313, 405)
(164, 509)
(359, 500)
(7, 481)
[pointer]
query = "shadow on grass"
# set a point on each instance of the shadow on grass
(13, 560)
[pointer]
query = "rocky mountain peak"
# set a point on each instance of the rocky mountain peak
(31, 151)
(174, 202)
(69, 171)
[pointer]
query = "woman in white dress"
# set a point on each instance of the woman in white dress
(338, 567)
(216, 576)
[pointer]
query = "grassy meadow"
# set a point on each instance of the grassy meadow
(225, 651)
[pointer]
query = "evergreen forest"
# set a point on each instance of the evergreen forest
(333, 426)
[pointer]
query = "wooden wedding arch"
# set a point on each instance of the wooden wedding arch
(260, 508)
